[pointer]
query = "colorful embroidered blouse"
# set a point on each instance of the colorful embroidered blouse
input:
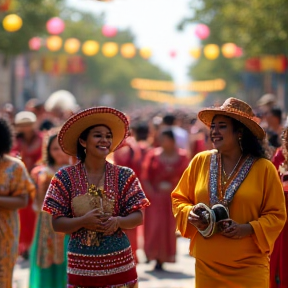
(91, 263)
(14, 181)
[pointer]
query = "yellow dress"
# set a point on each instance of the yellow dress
(14, 181)
(222, 262)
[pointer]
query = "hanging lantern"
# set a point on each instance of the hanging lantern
(267, 63)
(4, 5)
(109, 31)
(145, 52)
(55, 26)
(12, 23)
(238, 52)
(110, 49)
(128, 50)
(202, 31)
(90, 48)
(173, 53)
(195, 52)
(72, 45)
(229, 50)
(211, 51)
(54, 43)
(35, 43)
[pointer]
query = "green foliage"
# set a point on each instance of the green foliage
(34, 14)
(259, 27)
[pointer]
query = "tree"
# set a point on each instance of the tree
(34, 14)
(260, 27)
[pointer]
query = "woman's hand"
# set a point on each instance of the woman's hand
(111, 225)
(195, 220)
(237, 231)
(94, 220)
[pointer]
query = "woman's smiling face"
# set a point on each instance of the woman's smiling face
(98, 142)
(222, 134)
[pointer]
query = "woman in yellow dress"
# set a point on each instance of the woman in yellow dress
(15, 188)
(230, 202)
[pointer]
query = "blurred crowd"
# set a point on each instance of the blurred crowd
(161, 144)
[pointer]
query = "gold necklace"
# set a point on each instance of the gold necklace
(232, 172)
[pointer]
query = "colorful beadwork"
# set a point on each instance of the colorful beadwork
(88, 262)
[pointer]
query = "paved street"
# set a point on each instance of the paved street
(178, 275)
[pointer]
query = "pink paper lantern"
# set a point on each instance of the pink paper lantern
(202, 31)
(55, 26)
(35, 43)
(109, 31)
(238, 52)
(173, 53)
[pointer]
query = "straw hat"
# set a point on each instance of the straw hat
(76, 124)
(25, 118)
(236, 109)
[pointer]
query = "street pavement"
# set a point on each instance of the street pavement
(175, 275)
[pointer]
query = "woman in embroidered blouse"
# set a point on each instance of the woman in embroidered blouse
(234, 213)
(94, 200)
(15, 188)
(48, 260)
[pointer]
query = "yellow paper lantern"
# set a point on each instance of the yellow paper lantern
(12, 23)
(72, 45)
(90, 48)
(128, 50)
(54, 43)
(195, 52)
(229, 50)
(145, 52)
(110, 49)
(211, 51)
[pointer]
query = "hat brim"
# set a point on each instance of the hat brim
(207, 115)
(69, 134)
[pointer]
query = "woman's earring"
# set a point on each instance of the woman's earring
(240, 143)
(85, 150)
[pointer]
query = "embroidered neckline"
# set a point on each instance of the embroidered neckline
(230, 189)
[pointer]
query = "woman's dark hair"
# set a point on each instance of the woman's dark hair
(81, 155)
(49, 159)
(249, 142)
(6, 136)
(169, 133)
(141, 131)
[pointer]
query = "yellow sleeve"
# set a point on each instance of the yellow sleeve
(273, 212)
(183, 199)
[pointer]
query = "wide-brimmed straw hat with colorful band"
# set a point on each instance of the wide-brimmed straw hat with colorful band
(236, 109)
(71, 130)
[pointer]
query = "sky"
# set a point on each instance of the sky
(154, 24)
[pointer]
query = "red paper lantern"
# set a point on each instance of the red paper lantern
(35, 43)
(252, 65)
(55, 26)
(109, 31)
(4, 5)
(202, 31)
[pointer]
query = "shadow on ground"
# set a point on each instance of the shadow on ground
(169, 274)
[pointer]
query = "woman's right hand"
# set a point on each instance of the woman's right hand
(195, 220)
(93, 220)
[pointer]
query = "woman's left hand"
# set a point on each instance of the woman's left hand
(238, 231)
(110, 226)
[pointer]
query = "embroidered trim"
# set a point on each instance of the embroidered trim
(233, 186)
(105, 272)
